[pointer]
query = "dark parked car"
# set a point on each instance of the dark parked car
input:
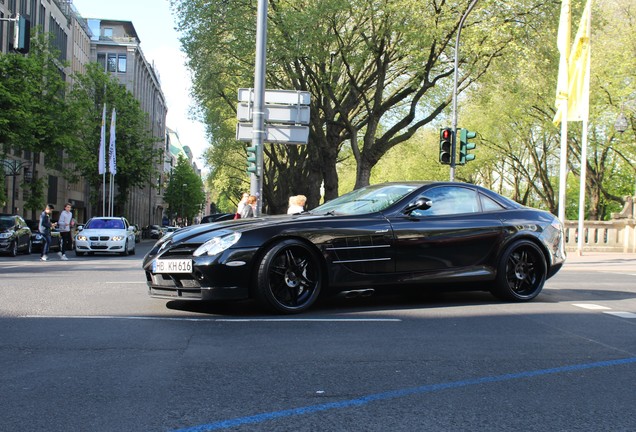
(37, 240)
(15, 235)
(155, 231)
(217, 217)
(416, 234)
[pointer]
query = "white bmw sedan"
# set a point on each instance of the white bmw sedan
(106, 234)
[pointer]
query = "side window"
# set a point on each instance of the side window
(450, 200)
(488, 204)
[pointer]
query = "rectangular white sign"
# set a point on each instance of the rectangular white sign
(290, 114)
(288, 97)
(282, 134)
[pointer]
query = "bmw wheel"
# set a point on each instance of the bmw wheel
(289, 278)
(521, 273)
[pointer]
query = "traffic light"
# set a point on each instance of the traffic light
(465, 146)
(21, 34)
(445, 145)
(252, 166)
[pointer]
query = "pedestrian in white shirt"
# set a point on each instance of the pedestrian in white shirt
(64, 224)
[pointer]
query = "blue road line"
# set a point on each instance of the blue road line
(259, 418)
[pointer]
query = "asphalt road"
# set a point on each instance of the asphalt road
(83, 348)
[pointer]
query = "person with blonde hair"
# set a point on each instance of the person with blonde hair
(249, 207)
(296, 204)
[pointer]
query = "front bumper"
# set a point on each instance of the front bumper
(85, 246)
(224, 277)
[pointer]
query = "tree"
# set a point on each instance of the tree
(377, 72)
(134, 142)
(184, 194)
(32, 102)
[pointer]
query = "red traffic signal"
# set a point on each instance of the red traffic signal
(445, 145)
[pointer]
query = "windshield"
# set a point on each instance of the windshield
(369, 199)
(6, 223)
(105, 224)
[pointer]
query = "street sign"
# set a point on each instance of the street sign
(279, 133)
(287, 114)
(288, 97)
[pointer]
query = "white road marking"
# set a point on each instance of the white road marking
(590, 306)
(622, 314)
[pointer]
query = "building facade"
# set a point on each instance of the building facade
(116, 46)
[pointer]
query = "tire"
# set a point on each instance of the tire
(14, 249)
(78, 253)
(289, 277)
(133, 252)
(125, 252)
(521, 272)
(29, 248)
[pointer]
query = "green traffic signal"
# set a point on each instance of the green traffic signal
(252, 167)
(445, 145)
(465, 146)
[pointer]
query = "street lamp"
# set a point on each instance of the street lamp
(12, 168)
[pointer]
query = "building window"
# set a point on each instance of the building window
(112, 63)
(107, 33)
(101, 60)
(121, 63)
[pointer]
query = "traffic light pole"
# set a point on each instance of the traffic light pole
(454, 143)
(258, 121)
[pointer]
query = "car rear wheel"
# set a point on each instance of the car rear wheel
(289, 278)
(521, 273)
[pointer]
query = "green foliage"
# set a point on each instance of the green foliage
(33, 111)
(380, 72)
(34, 193)
(134, 141)
(185, 195)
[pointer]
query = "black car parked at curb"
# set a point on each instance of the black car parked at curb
(15, 235)
(37, 239)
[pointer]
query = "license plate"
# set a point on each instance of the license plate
(93, 244)
(172, 266)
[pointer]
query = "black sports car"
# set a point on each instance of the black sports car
(386, 235)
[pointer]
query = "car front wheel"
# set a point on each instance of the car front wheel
(14, 249)
(289, 278)
(521, 272)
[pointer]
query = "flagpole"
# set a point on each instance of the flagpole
(563, 172)
(582, 187)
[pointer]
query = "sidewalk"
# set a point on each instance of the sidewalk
(601, 261)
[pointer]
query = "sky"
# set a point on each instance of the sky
(154, 24)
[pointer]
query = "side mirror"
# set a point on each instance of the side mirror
(421, 203)
(80, 227)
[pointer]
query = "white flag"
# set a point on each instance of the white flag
(112, 160)
(102, 144)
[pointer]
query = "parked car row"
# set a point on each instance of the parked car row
(100, 234)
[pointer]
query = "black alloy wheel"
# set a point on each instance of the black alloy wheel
(289, 277)
(521, 272)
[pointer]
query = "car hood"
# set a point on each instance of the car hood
(103, 232)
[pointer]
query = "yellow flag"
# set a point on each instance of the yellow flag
(563, 44)
(579, 70)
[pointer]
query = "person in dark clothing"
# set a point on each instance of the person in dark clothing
(45, 230)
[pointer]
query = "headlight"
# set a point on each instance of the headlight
(217, 245)
(118, 238)
(81, 237)
(5, 235)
